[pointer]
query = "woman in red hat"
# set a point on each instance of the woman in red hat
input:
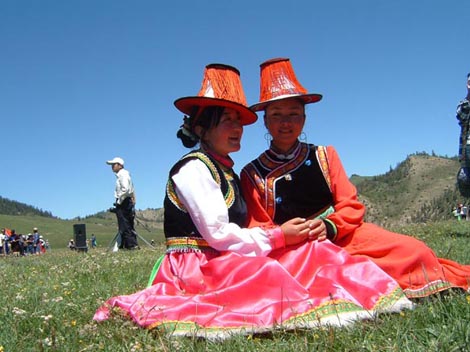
(216, 278)
(292, 178)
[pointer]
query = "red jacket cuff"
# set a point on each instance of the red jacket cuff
(276, 237)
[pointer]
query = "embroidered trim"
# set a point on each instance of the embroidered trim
(323, 162)
(187, 244)
(254, 177)
(332, 312)
(429, 289)
(170, 191)
(229, 196)
(280, 169)
(266, 186)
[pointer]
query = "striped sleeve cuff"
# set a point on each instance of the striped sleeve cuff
(331, 230)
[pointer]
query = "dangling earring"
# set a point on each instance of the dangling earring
(268, 138)
(303, 137)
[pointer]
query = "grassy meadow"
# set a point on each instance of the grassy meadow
(48, 302)
(59, 232)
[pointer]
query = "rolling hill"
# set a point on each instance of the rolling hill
(421, 188)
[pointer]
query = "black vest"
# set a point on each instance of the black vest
(291, 188)
(177, 222)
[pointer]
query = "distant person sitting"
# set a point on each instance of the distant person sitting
(16, 244)
(72, 245)
(124, 205)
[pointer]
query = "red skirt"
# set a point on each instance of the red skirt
(409, 261)
(217, 295)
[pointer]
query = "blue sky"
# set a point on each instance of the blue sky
(84, 81)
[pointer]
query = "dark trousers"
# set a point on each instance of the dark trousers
(125, 214)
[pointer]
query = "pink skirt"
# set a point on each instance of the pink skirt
(217, 295)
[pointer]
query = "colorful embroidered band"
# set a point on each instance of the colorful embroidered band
(186, 244)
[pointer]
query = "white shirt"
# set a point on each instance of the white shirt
(124, 187)
(204, 201)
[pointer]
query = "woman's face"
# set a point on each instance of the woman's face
(225, 138)
(285, 120)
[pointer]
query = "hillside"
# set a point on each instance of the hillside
(421, 188)
(11, 207)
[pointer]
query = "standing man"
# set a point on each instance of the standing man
(2, 242)
(36, 248)
(93, 241)
(124, 204)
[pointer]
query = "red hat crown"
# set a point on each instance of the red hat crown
(221, 86)
(278, 81)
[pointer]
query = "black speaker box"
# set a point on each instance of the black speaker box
(79, 234)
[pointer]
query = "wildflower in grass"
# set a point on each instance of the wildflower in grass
(136, 347)
(468, 299)
(19, 297)
(73, 323)
(46, 317)
(47, 342)
(18, 311)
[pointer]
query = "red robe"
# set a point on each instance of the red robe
(268, 181)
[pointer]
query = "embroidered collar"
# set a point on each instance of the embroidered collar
(282, 156)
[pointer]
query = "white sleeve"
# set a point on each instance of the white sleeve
(204, 201)
(124, 186)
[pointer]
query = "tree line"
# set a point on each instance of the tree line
(12, 207)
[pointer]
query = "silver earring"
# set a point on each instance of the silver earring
(303, 137)
(268, 138)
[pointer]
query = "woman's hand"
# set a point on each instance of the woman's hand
(296, 230)
(317, 230)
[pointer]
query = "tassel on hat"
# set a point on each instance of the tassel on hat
(221, 86)
(278, 81)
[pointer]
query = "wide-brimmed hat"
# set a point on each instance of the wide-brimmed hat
(221, 86)
(116, 160)
(278, 81)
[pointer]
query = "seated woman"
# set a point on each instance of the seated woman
(216, 278)
(298, 179)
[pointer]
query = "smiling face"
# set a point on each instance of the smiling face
(285, 120)
(225, 137)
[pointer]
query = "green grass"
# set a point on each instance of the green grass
(49, 302)
(59, 232)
